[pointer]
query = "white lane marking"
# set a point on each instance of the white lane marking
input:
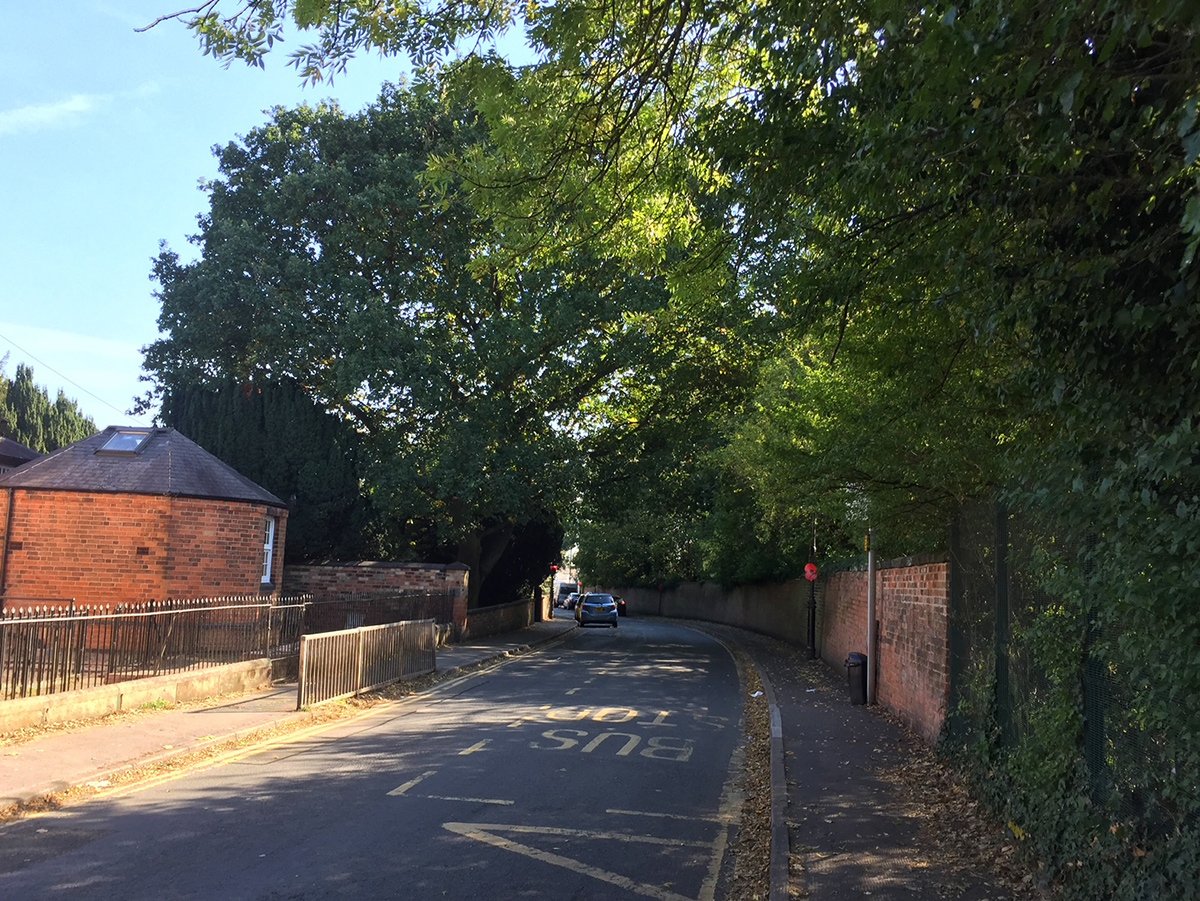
(470, 800)
(617, 811)
(478, 746)
(584, 833)
(401, 789)
(481, 832)
(731, 798)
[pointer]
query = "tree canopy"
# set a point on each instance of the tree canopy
(326, 262)
(277, 436)
(986, 210)
(29, 416)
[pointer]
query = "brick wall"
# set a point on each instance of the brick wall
(382, 577)
(484, 621)
(779, 609)
(844, 617)
(911, 608)
(96, 547)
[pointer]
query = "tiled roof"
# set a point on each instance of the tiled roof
(166, 463)
(14, 453)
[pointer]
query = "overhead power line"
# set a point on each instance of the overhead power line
(65, 378)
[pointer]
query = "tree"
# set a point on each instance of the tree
(276, 436)
(327, 262)
(27, 414)
(1029, 169)
(651, 480)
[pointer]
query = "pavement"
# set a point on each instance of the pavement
(850, 829)
(839, 824)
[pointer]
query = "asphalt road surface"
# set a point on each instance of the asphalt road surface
(599, 767)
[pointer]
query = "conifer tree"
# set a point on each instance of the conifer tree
(278, 437)
(28, 416)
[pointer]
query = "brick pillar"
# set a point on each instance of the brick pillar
(457, 576)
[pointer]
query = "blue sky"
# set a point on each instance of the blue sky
(104, 135)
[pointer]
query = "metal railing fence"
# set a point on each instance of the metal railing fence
(46, 648)
(336, 665)
(1021, 658)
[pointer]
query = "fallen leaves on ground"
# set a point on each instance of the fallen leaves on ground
(752, 847)
(958, 832)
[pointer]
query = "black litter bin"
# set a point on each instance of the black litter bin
(856, 675)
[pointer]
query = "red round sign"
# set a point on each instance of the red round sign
(810, 571)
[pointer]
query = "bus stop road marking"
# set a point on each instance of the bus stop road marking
(485, 832)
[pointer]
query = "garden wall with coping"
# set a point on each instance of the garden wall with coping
(368, 577)
(483, 621)
(777, 609)
(102, 700)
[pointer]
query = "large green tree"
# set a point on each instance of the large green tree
(326, 260)
(1032, 168)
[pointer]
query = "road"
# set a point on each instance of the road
(600, 767)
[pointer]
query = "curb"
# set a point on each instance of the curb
(778, 870)
(780, 840)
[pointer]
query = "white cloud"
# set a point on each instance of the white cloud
(50, 115)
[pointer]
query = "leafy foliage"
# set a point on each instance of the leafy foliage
(276, 436)
(326, 262)
(28, 416)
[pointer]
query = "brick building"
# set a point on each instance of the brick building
(136, 514)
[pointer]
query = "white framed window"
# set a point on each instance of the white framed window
(268, 548)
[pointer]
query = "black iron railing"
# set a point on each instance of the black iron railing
(47, 648)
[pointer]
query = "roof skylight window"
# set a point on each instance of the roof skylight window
(125, 441)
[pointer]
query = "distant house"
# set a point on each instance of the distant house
(14, 454)
(136, 514)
